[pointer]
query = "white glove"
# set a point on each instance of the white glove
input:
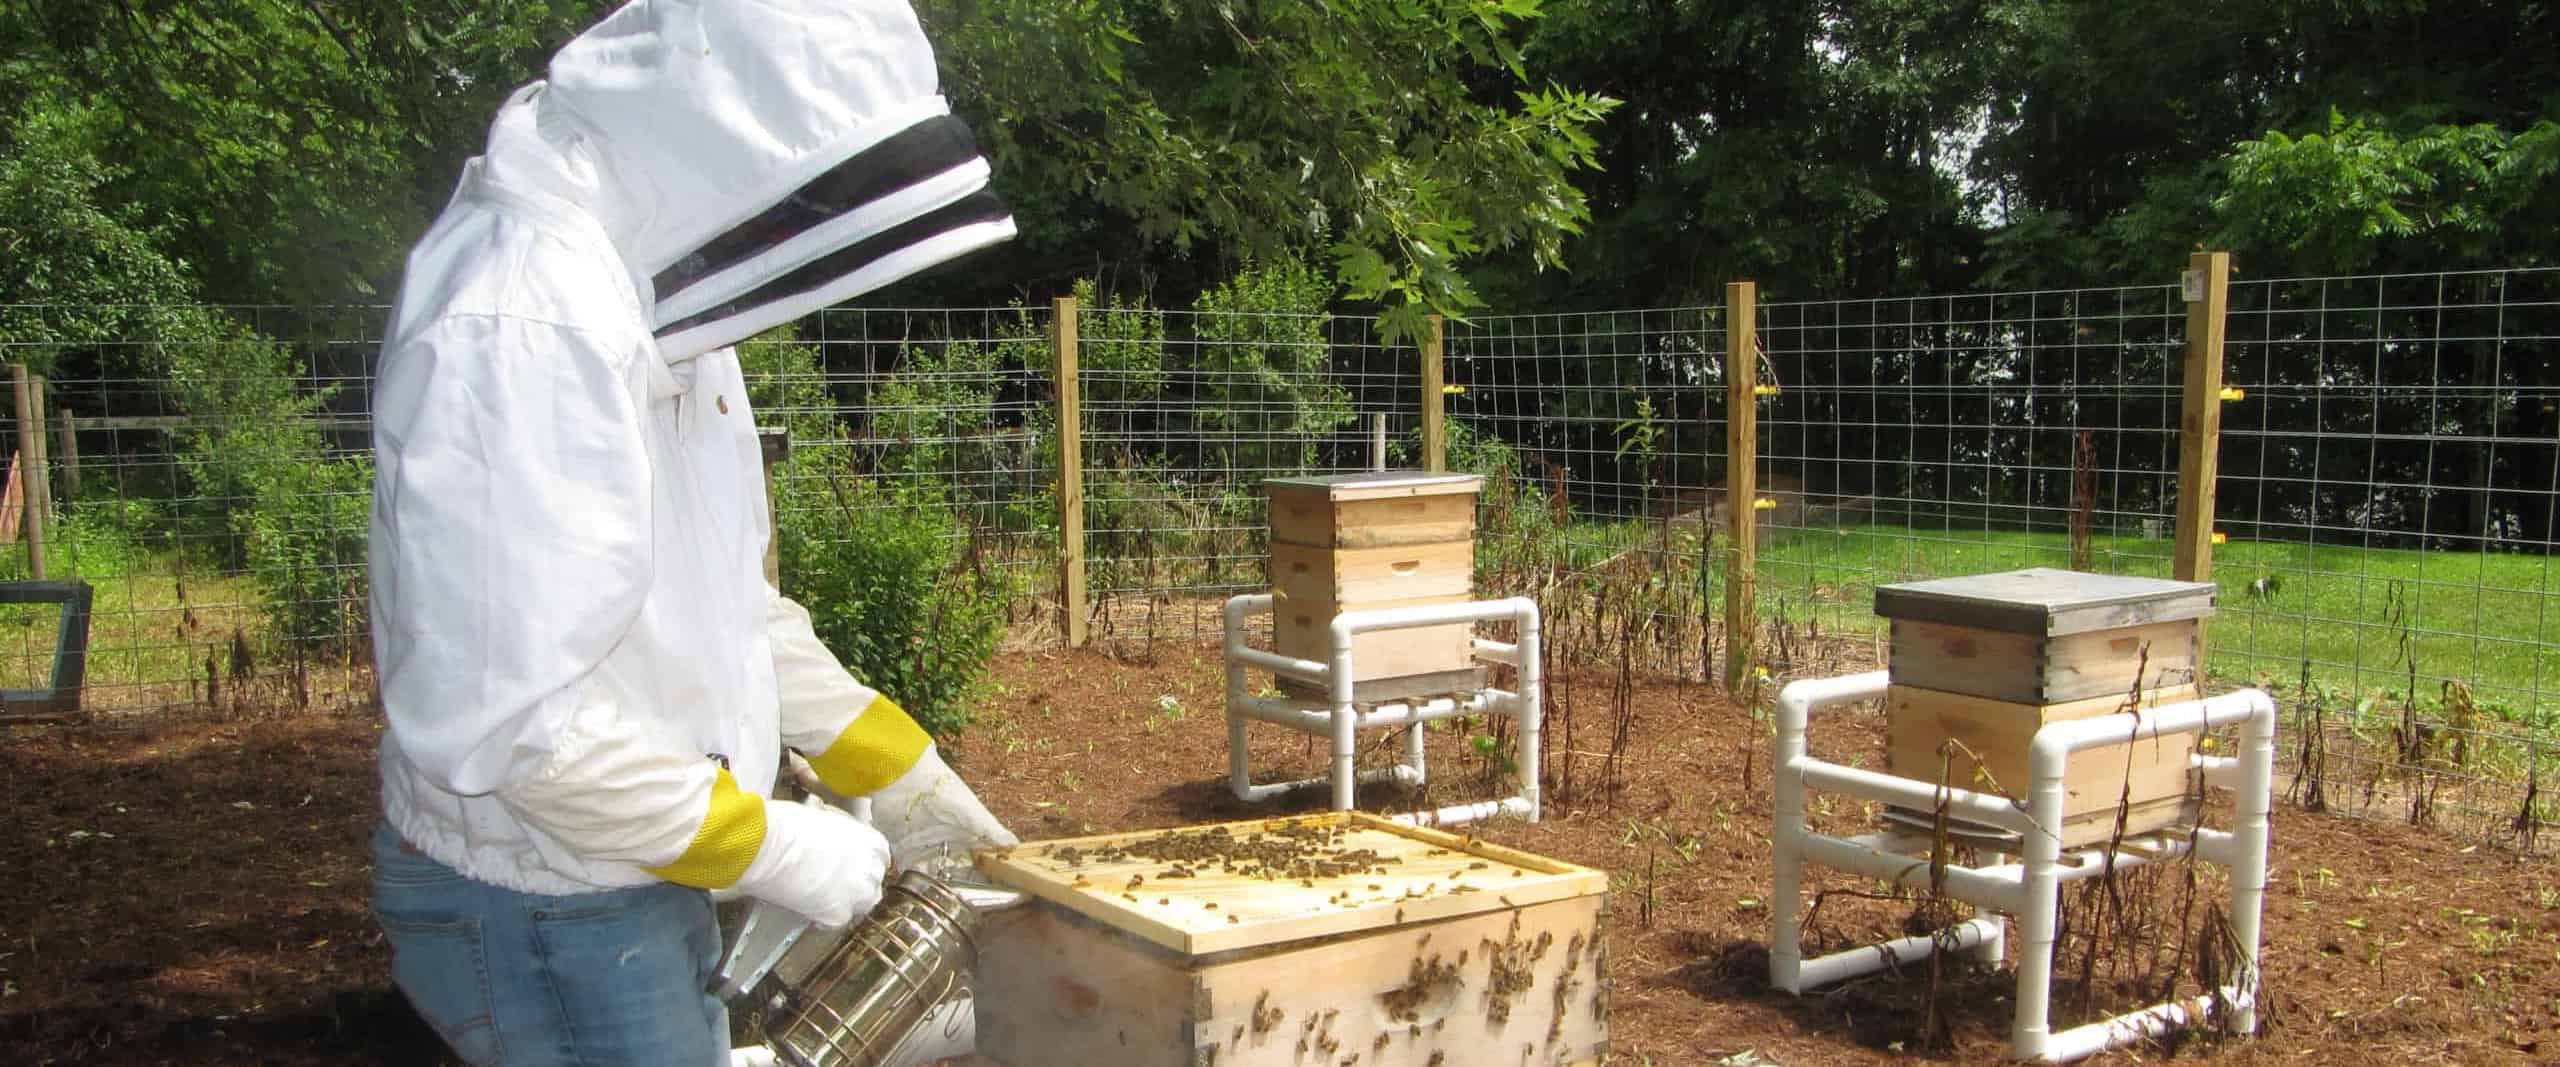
(822, 864)
(929, 809)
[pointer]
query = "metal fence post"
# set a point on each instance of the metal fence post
(1435, 408)
(1071, 595)
(2206, 286)
(1741, 483)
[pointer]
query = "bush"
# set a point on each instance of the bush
(888, 576)
(1518, 533)
(1266, 392)
(292, 516)
(892, 589)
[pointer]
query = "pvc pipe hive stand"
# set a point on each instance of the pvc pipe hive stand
(1340, 717)
(2028, 890)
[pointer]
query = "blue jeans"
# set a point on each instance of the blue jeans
(616, 977)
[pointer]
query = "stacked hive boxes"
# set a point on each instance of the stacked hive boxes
(1980, 663)
(1359, 542)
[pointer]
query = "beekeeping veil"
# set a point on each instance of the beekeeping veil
(757, 160)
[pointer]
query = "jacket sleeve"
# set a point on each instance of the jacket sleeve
(510, 554)
(855, 737)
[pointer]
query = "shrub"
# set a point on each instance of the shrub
(1518, 534)
(892, 588)
(889, 576)
(1265, 386)
(293, 516)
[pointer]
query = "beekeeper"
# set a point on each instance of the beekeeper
(589, 684)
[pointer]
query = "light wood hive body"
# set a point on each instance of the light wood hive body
(1357, 542)
(1980, 664)
(1431, 950)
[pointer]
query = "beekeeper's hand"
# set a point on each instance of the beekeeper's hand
(929, 810)
(824, 865)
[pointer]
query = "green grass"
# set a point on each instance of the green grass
(146, 641)
(2362, 617)
(156, 613)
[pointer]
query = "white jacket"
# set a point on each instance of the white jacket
(586, 678)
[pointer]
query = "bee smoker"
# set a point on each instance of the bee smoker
(857, 997)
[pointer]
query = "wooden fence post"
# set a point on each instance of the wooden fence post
(1435, 408)
(42, 468)
(773, 443)
(32, 525)
(69, 438)
(1741, 482)
(1071, 595)
(2206, 286)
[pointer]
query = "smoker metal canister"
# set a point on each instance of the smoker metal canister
(876, 986)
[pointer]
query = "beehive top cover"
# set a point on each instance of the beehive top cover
(2046, 602)
(1204, 889)
(1373, 484)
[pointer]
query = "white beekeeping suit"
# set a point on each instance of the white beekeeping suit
(588, 681)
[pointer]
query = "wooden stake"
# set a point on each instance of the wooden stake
(68, 436)
(1435, 428)
(1071, 598)
(1741, 481)
(773, 446)
(33, 522)
(42, 467)
(2207, 289)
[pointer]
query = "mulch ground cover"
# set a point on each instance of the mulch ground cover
(195, 893)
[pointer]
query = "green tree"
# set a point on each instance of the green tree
(1400, 138)
(1815, 148)
(292, 149)
(1266, 388)
(2317, 138)
(78, 274)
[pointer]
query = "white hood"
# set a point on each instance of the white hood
(754, 160)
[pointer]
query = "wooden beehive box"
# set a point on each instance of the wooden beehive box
(1424, 949)
(1987, 660)
(1387, 539)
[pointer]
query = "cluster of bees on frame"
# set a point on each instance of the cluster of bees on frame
(1305, 852)
(1433, 981)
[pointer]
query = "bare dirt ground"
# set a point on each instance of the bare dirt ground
(196, 893)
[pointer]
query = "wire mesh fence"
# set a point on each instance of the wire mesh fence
(2388, 494)
(210, 485)
(1186, 414)
(2390, 477)
(1601, 439)
(1930, 437)
(918, 439)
